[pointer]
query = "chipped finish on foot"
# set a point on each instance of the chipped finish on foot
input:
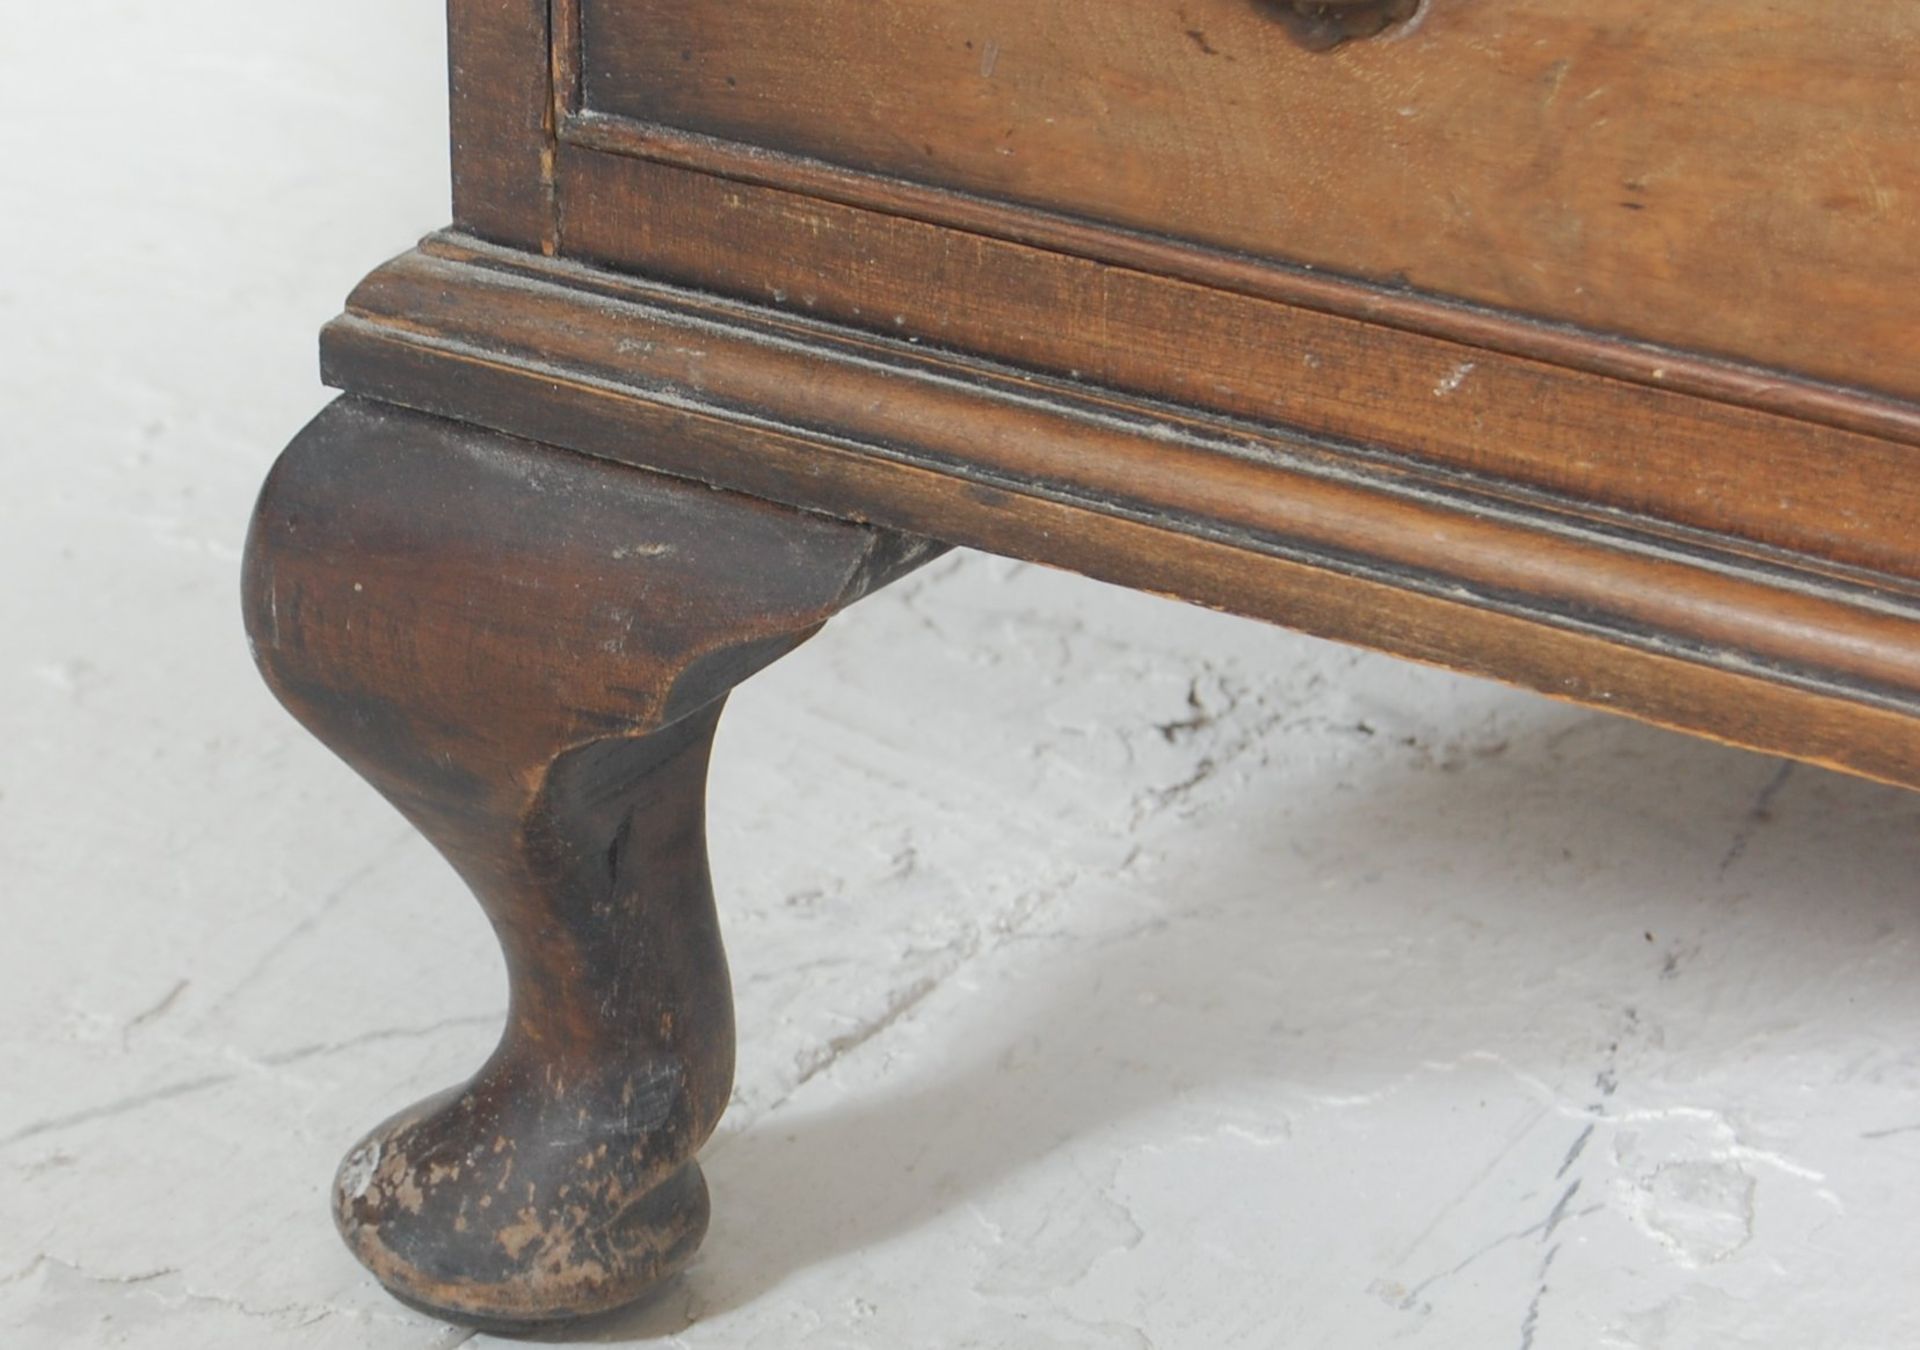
(527, 651)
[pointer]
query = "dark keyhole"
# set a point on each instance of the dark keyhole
(1322, 25)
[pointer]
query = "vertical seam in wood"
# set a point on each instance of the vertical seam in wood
(563, 20)
(558, 15)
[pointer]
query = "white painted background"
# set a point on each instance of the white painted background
(1110, 973)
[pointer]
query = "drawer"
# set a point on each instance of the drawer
(1732, 177)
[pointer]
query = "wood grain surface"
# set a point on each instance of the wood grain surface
(527, 652)
(1753, 462)
(503, 115)
(1726, 176)
(1708, 633)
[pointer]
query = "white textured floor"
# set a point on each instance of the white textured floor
(1110, 973)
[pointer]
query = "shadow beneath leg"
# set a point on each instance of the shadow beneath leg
(1553, 913)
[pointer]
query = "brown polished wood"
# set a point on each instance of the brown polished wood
(1509, 583)
(527, 652)
(1571, 343)
(1620, 164)
(1763, 467)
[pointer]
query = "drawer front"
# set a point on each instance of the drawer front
(1735, 177)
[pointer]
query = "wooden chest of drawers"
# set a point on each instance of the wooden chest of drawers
(1571, 342)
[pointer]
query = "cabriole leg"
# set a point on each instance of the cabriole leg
(527, 652)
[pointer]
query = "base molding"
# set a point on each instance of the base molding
(1782, 651)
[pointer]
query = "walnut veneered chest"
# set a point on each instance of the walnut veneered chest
(1570, 342)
